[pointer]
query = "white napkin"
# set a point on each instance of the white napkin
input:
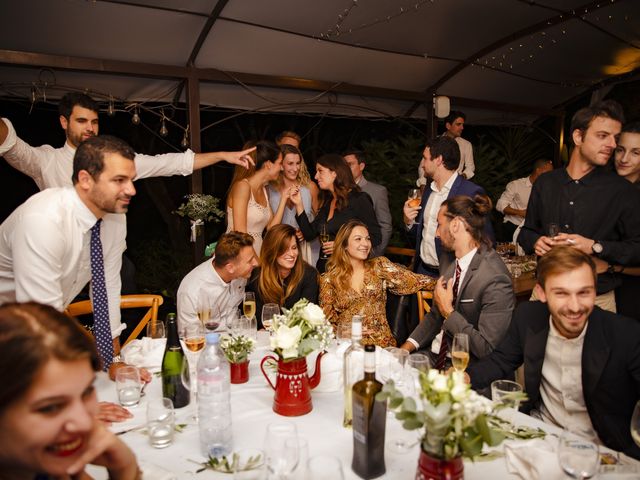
(146, 352)
(535, 459)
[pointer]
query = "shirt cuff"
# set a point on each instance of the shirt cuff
(10, 141)
(413, 342)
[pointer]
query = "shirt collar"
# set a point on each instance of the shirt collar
(553, 332)
(465, 261)
(447, 186)
(85, 217)
(216, 275)
(70, 148)
(588, 179)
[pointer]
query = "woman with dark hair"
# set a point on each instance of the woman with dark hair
(340, 201)
(48, 405)
(354, 284)
(248, 208)
(283, 276)
(295, 174)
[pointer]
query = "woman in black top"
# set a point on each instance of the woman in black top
(283, 276)
(341, 201)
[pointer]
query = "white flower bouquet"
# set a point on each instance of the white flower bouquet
(300, 331)
(201, 208)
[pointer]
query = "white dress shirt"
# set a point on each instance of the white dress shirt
(561, 385)
(467, 165)
(428, 252)
(227, 296)
(52, 167)
(45, 252)
(517, 196)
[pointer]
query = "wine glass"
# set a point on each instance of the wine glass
(635, 424)
(460, 351)
(155, 329)
(269, 310)
(249, 304)
(190, 382)
(414, 197)
(194, 341)
(553, 229)
(324, 237)
(281, 449)
(579, 458)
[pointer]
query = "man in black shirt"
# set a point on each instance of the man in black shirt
(595, 209)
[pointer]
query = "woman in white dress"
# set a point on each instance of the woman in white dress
(295, 174)
(248, 208)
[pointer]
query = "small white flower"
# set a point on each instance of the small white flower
(459, 392)
(440, 383)
(313, 314)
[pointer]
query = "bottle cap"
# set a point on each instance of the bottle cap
(369, 348)
(212, 338)
(356, 326)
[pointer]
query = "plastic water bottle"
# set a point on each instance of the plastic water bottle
(214, 402)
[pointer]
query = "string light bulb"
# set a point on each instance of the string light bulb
(185, 138)
(111, 111)
(163, 128)
(135, 119)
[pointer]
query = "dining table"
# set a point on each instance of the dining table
(251, 407)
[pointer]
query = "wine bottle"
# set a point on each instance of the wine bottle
(172, 386)
(369, 419)
(353, 366)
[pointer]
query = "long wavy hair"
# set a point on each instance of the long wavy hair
(265, 151)
(342, 185)
(270, 286)
(303, 177)
(339, 264)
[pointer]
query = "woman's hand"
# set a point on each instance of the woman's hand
(327, 247)
(296, 198)
(111, 412)
(106, 450)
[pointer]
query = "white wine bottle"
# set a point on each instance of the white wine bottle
(353, 366)
(172, 386)
(369, 420)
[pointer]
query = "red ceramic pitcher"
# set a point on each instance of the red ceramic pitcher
(293, 385)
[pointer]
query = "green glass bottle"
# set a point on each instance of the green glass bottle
(172, 381)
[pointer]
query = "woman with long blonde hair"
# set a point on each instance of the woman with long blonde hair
(354, 284)
(283, 276)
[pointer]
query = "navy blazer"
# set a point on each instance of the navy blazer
(461, 186)
(610, 367)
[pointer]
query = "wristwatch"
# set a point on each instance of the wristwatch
(596, 247)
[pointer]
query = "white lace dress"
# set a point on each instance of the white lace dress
(257, 219)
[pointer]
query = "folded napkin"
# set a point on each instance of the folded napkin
(146, 352)
(535, 459)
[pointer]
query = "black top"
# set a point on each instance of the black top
(601, 206)
(359, 207)
(307, 288)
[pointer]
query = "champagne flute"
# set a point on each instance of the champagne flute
(269, 310)
(324, 237)
(635, 424)
(249, 304)
(194, 341)
(204, 307)
(460, 351)
(579, 458)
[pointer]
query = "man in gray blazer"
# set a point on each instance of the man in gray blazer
(475, 294)
(356, 161)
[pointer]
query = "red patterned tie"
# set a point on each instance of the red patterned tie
(444, 344)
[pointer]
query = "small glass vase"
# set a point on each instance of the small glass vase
(431, 468)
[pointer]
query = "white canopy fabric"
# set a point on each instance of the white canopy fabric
(502, 61)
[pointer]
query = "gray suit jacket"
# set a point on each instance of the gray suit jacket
(483, 307)
(379, 195)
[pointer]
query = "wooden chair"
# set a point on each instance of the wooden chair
(85, 307)
(406, 254)
(423, 303)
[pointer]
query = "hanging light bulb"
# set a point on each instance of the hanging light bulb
(185, 139)
(163, 128)
(34, 95)
(111, 111)
(135, 119)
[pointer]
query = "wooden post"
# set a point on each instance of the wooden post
(557, 154)
(195, 186)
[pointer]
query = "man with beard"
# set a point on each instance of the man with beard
(52, 167)
(581, 363)
(474, 295)
(595, 209)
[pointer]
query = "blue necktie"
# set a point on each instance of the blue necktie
(101, 324)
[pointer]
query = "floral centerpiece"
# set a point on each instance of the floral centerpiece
(300, 331)
(236, 349)
(200, 208)
(457, 421)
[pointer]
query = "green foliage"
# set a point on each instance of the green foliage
(201, 207)
(237, 348)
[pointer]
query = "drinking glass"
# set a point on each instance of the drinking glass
(324, 237)
(323, 467)
(194, 337)
(204, 306)
(269, 310)
(503, 392)
(155, 329)
(392, 363)
(460, 351)
(239, 326)
(635, 424)
(420, 362)
(128, 386)
(215, 319)
(579, 458)
(160, 422)
(281, 449)
(249, 304)
(414, 197)
(190, 382)
(553, 229)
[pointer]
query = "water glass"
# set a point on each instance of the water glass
(249, 464)
(420, 362)
(281, 449)
(323, 467)
(393, 362)
(503, 392)
(160, 422)
(269, 310)
(155, 329)
(553, 229)
(128, 386)
(303, 456)
(579, 458)
(240, 326)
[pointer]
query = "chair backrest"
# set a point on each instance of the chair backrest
(423, 303)
(405, 255)
(85, 307)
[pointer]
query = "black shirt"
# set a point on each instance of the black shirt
(601, 206)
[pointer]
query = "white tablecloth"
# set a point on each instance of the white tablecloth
(252, 411)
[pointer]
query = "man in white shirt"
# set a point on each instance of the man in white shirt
(475, 294)
(218, 284)
(378, 193)
(52, 167)
(581, 363)
(454, 124)
(513, 201)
